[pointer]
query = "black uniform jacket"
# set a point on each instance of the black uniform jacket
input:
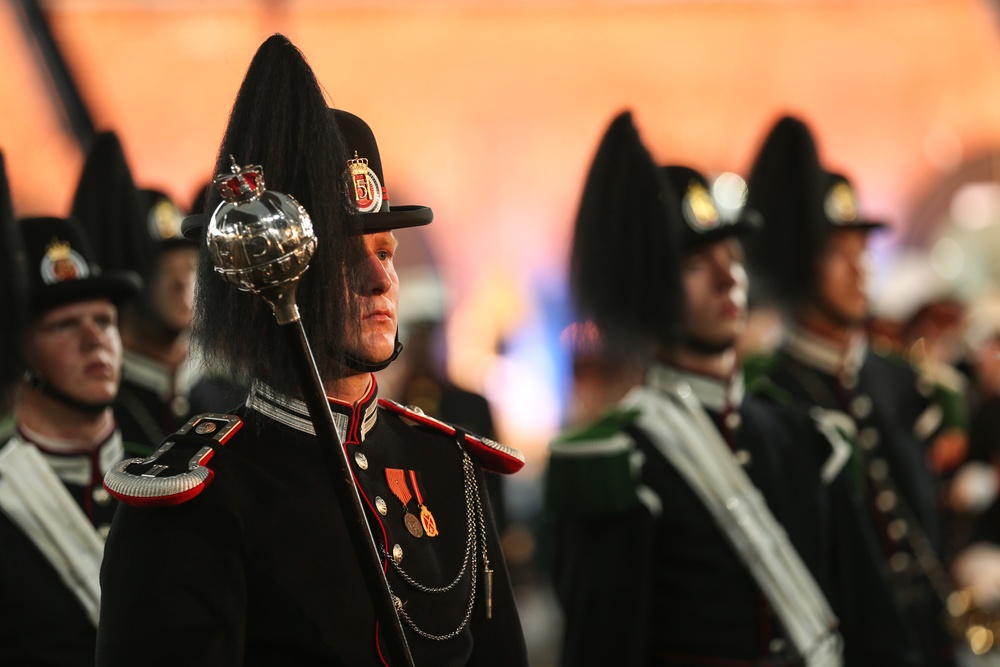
(257, 568)
(41, 621)
(889, 408)
(659, 584)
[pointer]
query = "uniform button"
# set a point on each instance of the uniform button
(868, 438)
(861, 406)
(101, 495)
(897, 530)
(180, 406)
(777, 645)
(899, 562)
(361, 460)
(104, 529)
(878, 470)
(885, 501)
(380, 505)
(848, 381)
(742, 457)
(733, 420)
(397, 553)
(683, 389)
(925, 387)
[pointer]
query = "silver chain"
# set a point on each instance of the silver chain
(474, 515)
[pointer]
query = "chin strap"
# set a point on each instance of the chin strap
(356, 364)
(36, 381)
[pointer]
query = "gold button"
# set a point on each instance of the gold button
(742, 457)
(397, 553)
(380, 505)
(733, 420)
(868, 438)
(861, 406)
(361, 460)
(101, 495)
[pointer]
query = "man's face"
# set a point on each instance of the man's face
(171, 291)
(377, 296)
(843, 277)
(76, 348)
(715, 295)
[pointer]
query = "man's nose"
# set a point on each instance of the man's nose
(377, 278)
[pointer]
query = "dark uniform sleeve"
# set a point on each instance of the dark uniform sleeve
(601, 575)
(173, 590)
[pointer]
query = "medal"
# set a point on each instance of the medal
(426, 518)
(399, 488)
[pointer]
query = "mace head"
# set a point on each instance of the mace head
(260, 240)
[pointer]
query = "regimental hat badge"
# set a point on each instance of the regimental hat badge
(841, 204)
(61, 263)
(368, 194)
(698, 208)
(164, 220)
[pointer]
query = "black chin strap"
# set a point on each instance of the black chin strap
(36, 381)
(356, 364)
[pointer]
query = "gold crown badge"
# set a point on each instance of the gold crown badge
(702, 208)
(841, 205)
(57, 250)
(358, 165)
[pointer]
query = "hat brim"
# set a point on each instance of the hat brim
(398, 217)
(115, 286)
(747, 223)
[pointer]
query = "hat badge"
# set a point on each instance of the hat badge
(367, 189)
(841, 206)
(62, 263)
(165, 220)
(699, 209)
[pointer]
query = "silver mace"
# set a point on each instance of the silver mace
(262, 241)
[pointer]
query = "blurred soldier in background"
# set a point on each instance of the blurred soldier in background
(163, 382)
(652, 566)
(54, 511)
(811, 260)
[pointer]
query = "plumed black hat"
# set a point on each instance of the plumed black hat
(801, 203)
(13, 288)
(109, 207)
(281, 121)
(702, 224)
(624, 267)
(365, 178)
(61, 268)
(368, 182)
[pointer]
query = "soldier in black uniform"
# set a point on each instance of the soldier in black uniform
(163, 384)
(651, 565)
(245, 558)
(810, 259)
(54, 511)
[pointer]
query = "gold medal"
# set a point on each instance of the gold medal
(413, 525)
(426, 518)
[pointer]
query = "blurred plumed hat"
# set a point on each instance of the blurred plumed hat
(801, 203)
(624, 266)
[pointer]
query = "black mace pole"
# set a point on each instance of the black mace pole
(234, 246)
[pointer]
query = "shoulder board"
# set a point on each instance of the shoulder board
(591, 470)
(177, 471)
(490, 454)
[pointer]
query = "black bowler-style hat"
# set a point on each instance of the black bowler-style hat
(61, 267)
(703, 224)
(366, 181)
